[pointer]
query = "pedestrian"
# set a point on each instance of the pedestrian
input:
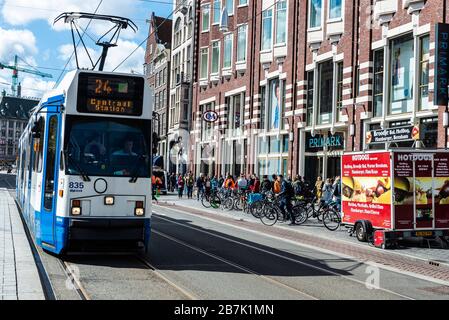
(266, 184)
(199, 186)
(229, 183)
(318, 187)
(220, 181)
(327, 191)
(207, 186)
(181, 183)
(242, 183)
(255, 187)
(190, 184)
(214, 183)
(285, 195)
(337, 192)
(173, 182)
(277, 183)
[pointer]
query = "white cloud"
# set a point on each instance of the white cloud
(20, 42)
(22, 12)
(115, 56)
(35, 87)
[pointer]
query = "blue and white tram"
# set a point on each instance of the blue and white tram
(84, 163)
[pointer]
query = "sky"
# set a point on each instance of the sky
(27, 29)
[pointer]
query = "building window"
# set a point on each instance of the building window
(217, 11)
(315, 13)
(309, 98)
(227, 56)
(424, 73)
(215, 57)
(241, 43)
(281, 22)
(243, 2)
(325, 73)
(401, 78)
(236, 110)
(205, 18)
(267, 29)
(334, 9)
(378, 82)
(276, 102)
(230, 6)
(204, 63)
(206, 127)
(339, 90)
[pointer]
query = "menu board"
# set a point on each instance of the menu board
(366, 188)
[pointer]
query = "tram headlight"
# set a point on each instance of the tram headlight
(139, 210)
(109, 201)
(76, 208)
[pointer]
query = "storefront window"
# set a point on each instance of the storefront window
(309, 105)
(429, 132)
(380, 146)
(424, 74)
(275, 145)
(401, 79)
(263, 146)
(378, 82)
(326, 71)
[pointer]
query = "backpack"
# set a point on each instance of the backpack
(298, 188)
(289, 191)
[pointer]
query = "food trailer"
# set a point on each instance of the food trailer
(395, 194)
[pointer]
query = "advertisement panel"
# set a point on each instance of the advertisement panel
(441, 189)
(366, 188)
(413, 189)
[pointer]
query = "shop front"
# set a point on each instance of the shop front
(322, 155)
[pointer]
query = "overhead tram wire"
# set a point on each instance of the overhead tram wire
(73, 52)
(221, 38)
(145, 40)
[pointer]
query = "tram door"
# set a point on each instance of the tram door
(50, 178)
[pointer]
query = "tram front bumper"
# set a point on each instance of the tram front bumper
(107, 229)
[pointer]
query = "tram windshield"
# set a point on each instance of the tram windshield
(107, 147)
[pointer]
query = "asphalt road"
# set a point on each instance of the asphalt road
(191, 257)
(197, 258)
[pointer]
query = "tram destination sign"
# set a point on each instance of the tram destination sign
(110, 94)
(407, 133)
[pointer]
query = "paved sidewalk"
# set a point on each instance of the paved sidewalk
(312, 227)
(19, 278)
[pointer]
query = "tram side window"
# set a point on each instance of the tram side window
(40, 147)
(50, 163)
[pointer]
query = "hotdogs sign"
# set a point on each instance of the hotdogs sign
(392, 135)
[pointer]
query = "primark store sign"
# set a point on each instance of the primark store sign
(441, 64)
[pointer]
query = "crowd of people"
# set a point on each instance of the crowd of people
(285, 188)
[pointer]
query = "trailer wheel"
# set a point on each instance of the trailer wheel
(360, 232)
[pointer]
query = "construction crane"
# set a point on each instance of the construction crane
(15, 74)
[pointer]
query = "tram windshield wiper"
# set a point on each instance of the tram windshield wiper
(82, 173)
(135, 170)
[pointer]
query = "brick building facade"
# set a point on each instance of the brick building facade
(313, 78)
(157, 70)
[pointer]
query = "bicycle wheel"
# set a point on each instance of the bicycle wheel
(205, 201)
(331, 220)
(256, 209)
(301, 214)
(215, 201)
(228, 204)
(269, 215)
(238, 204)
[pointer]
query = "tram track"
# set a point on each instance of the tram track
(73, 279)
(235, 265)
(261, 250)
